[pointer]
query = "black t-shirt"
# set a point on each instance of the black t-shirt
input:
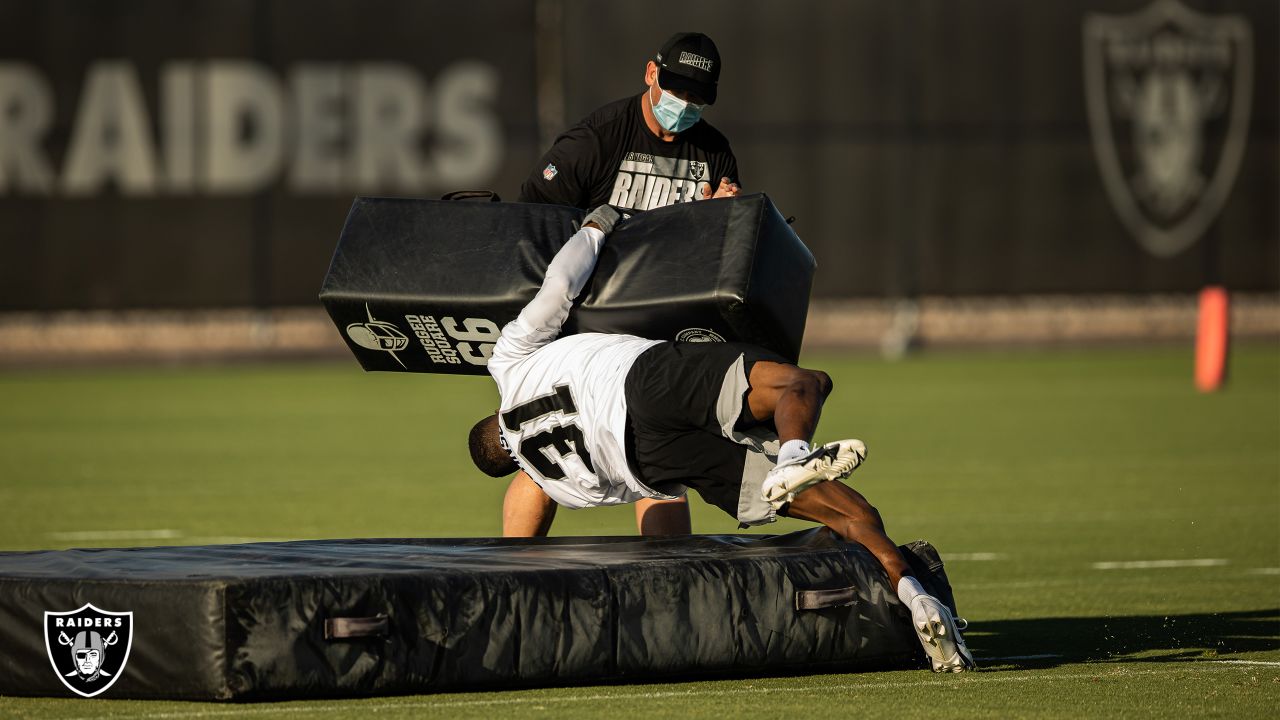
(612, 157)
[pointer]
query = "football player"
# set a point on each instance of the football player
(599, 419)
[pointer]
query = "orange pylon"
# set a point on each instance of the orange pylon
(1212, 335)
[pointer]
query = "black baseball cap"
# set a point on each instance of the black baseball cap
(690, 62)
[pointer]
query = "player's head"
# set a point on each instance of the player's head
(487, 451)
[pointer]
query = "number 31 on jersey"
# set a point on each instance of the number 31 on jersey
(550, 450)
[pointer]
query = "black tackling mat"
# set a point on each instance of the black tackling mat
(368, 617)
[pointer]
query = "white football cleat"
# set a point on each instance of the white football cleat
(939, 634)
(832, 461)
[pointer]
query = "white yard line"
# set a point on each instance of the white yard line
(1263, 571)
(98, 535)
(229, 540)
(1149, 564)
(788, 689)
(85, 535)
(1092, 516)
(1267, 663)
(977, 556)
(1011, 584)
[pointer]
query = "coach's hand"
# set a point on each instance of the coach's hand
(727, 188)
(603, 217)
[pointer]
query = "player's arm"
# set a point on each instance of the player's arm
(540, 321)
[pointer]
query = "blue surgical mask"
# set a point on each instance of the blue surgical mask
(673, 114)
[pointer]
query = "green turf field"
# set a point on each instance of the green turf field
(1026, 470)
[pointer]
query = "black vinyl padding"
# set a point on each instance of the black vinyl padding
(249, 622)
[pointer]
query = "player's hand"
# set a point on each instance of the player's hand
(603, 217)
(727, 188)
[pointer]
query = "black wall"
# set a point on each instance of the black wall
(925, 147)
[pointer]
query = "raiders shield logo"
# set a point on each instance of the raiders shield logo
(1168, 93)
(697, 169)
(88, 648)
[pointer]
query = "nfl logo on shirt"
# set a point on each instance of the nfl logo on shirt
(549, 172)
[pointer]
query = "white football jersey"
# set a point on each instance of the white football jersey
(564, 409)
(564, 415)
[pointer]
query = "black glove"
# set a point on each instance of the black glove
(604, 216)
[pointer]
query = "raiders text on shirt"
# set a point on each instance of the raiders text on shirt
(648, 181)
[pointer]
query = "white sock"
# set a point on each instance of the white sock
(791, 450)
(908, 589)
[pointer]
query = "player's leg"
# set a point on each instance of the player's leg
(791, 398)
(661, 518)
(848, 513)
(526, 509)
(800, 487)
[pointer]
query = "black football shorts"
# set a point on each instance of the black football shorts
(689, 426)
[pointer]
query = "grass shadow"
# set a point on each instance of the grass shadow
(1048, 642)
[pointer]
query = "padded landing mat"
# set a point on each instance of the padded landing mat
(367, 617)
